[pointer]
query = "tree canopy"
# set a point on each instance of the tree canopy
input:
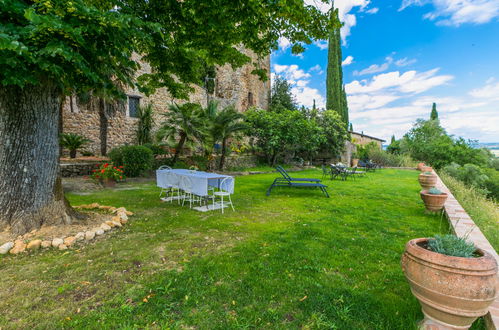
(89, 44)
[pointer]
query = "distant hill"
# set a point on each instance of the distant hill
(492, 146)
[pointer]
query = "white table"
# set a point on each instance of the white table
(197, 182)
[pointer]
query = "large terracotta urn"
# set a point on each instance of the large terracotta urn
(420, 166)
(427, 180)
(433, 202)
(355, 162)
(427, 169)
(453, 291)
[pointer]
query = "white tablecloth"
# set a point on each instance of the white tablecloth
(196, 182)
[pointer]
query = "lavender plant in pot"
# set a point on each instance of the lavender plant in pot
(433, 199)
(427, 180)
(454, 281)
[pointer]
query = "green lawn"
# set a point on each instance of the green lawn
(292, 260)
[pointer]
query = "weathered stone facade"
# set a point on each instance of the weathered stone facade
(362, 139)
(238, 87)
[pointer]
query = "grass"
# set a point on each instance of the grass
(484, 212)
(292, 260)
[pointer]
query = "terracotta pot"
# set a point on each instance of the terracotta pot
(427, 169)
(355, 162)
(453, 291)
(109, 183)
(420, 166)
(433, 202)
(427, 181)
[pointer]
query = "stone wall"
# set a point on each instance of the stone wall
(238, 87)
(77, 169)
(362, 139)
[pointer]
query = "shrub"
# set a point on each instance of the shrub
(384, 158)
(145, 125)
(156, 149)
(72, 142)
(135, 159)
(108, 171)
(470, 174)
(484, 212)
(451, 245)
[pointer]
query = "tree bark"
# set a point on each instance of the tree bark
(103, 125)
(222, 157)
(179, 148)
(30, 187)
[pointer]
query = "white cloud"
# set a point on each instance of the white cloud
(306, 96)
(322, 44)
(299, 80)
(457, 12)
(375, 68)
(408, 82)
(347, 61)
(344, 8)
(405, 62)
(284, 43)
(488, 92)
(372, 10)
(292, 72)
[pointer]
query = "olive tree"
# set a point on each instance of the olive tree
(53, 47)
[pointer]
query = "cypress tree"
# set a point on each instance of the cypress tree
(434, 113)
(393, 139)
(351, 127)
(335, 91)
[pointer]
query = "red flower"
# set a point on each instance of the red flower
(106, 165)
(102, 171)
(94, 170)
(121, 177)
(121, 166)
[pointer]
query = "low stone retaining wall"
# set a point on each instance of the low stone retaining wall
(463, 226)
(77, 169)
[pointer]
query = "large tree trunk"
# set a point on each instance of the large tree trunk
(103, 126)
(30, 187)
(222, 157)
(179, 148)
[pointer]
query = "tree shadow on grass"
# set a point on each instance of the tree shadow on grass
(302, 276)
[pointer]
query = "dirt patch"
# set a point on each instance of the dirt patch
(91, 221)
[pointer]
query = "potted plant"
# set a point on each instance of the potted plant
(427, 180)
(420, 166)
(433, 199)
(193, 169)
(454, 281)
(427, 169)
(107, 174)
(73, 142)
(355, 159)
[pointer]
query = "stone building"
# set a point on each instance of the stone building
(362, 139)
(112, 125)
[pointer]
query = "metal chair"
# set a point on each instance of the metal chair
(223, 191)
(168, 189)
(186, 185)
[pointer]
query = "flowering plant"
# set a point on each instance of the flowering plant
(194, 168)
(108, 171)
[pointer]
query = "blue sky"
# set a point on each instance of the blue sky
(400, 56)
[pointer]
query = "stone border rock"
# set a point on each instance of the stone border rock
(63, 243)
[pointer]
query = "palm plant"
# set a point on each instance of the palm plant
(145, 125)
(225, 124)
(184, 123)
(72, 142)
